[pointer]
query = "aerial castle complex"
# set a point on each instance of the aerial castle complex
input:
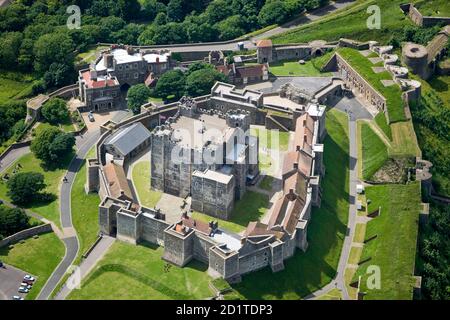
(218, 125)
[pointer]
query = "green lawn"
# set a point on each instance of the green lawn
(293, 68)
(351, 23)
(333, 294)
(392, 94)
(84, 209)
(266, 163)
(266, 183)
(271, 139)
(394, 248)
(435, 8)
(38, 257)
(30, 163)
(250, 208)
(374, 151)
(14, 85)
(309, 271)
(138, 272)
(90, 55)
(141, 181)
(380, 120)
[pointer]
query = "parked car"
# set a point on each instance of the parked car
(26, 285)
(28, 277)
(91, 117)
(28, 282)
(23, 290)
(17, 298)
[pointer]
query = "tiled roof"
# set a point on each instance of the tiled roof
(256, 70)
(117, 181)
(98, 83)
(264, 43)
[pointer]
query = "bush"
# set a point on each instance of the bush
(25, 187)
(55, 111)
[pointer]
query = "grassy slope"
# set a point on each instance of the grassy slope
(84, 209)
(392, 93)
(394, 248)
(306, 272)
(14, 85)
(138, 272)
(350, 23)
(374, 151)
(38, 257)
(380, 120)
(49, 210)
(435, 8)
(250, 208)
(141, 180)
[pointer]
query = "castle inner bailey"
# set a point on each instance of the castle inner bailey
(103, 85)
(214, 188)
(204, 155)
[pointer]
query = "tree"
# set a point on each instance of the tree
(171, 82)
(175, 10)
(12, 220)
(218, 10)
(55, 111)
(273, 12)
(10, 44)
(199, 82)
(25, 187)
(137, 95)
(52, 145)
(231, 27)
(53, 48)
(129, 9)
(58, 75)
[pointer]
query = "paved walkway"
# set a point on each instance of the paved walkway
(70, 239)
(339, 280)
(12, 156)
(86, 266)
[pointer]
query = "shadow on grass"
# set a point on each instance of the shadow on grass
(306, 272)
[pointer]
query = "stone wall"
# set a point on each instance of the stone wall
(25, 234)
(178, 248)
(425, 21)
(355, 81)
(152, 229)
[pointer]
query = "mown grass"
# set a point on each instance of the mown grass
(394, 248)
(392, 94)
(380, 120)
(374, 151)
(309, 271)
(271, 139)
(141, 181)
(435, 8)
(138, 273)
(294, 68)
(48, 209)
(266, 183)
(250, 208)
(84, 208)
(38, 257)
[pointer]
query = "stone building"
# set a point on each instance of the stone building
(245, 74)
(102, 87)
(207, 156)
(214, 186)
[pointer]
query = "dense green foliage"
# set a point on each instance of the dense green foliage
(137, 95)
(414, 33)
(11, 115)
(12, 220)
(432, 125)
(55, 111)
(24, 187)
(199, 82)
(51, 145)
(171, 83)
(434, 254)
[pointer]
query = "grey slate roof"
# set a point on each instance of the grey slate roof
(129, 138)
